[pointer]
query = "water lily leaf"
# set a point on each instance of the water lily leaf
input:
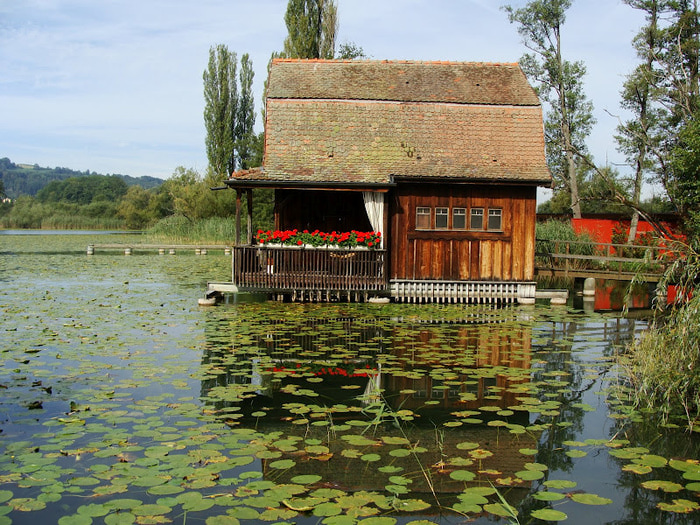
(339, 520)
(693, 487)
(472, 498)
(665, 486)
(370, 458)
(306, 479)
(120, 518)
(692, 475)
(411, 505)
(94, 510)
(462, 475)
(327, 509)
(549, 515)
(549, 496)
(637, 469)
(221, 520)
(651, 461)
(529, 475)
(466, 508)
(590, 499)
(528, 451)
(466, 445)
(378, 521)
(26, 504)
(5, 495)
(624, 453)
(400, 452)
(680, 506)
(688, 465)
(283, 464)
(576, 453)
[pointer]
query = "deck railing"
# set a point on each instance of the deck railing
(289, 269)
(565, 258)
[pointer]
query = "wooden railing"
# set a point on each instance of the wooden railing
(281, 269)
(557, 258)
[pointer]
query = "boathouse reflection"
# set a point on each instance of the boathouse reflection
(448, 387)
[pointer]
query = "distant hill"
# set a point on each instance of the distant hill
(26, 179)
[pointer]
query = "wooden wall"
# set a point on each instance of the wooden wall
(507, 255)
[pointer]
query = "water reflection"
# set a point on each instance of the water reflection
(446, 403)
(427, 398)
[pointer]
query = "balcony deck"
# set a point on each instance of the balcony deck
(310, 273)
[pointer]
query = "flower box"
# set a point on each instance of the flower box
(318, 239)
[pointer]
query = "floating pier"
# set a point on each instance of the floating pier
(162, 249)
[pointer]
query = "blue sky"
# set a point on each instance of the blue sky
(115, 86)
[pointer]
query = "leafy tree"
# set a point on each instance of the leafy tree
(312, 26)
(350, 51)
(685, 166)
(221, 109)
(664, 96)
(135, 208)
(559, 83)
(635, 136)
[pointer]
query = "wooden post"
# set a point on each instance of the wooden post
(238, 217)
(249, 200)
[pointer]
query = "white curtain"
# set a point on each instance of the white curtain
(374, 204)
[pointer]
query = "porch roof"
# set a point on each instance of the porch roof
(367, 123)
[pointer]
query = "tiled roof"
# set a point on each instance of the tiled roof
(457, 82)
(369, 122)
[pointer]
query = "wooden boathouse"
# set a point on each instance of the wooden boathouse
(442, 159)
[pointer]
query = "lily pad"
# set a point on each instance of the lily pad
(549, 515)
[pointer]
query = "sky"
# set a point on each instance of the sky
(115, 86)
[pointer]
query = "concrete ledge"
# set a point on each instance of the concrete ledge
(556, 297)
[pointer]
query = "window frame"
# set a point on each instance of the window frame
(495, 212)
(429, 215)
(474, 212)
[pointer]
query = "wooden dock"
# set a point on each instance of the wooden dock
(620, 262)
(162, 249)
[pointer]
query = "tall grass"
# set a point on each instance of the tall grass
(178, 229)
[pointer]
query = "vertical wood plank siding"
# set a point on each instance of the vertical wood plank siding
(506, 255)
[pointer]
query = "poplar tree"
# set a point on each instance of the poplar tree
(221, 109)
(312, 26)
(559, 83)
(245, 139)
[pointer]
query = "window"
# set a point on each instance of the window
(422, 218)
(495, 222)
(441, 215)
(476, 220)
(459, 218)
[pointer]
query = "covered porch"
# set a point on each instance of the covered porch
(304, 272)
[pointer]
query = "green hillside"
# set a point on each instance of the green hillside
(26, 179)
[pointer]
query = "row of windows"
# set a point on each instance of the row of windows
(480, 219)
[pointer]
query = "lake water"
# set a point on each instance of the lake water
(122, 401)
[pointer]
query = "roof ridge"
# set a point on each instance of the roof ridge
(386, 61)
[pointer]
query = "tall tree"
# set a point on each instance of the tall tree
(664, 95)
(245, 137)
(636, 136)
(221, 109)
(559, 83)
(312, 26)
